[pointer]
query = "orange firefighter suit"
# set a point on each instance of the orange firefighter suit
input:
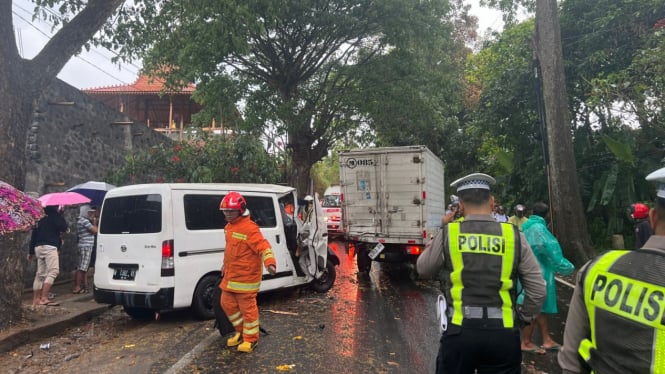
(247, 251)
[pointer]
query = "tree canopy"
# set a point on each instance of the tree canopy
(297, 67)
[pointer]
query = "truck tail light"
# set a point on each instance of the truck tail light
(414, 250)
(168, 269)
(334, 218)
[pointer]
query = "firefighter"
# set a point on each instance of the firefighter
(615, 322)
(481, 261)
(246, 249)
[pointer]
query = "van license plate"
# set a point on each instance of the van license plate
(375, 251)
(124, 273)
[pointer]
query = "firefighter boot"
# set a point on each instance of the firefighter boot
(234, 340)
(247, 346)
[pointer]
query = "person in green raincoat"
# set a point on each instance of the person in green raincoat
(551, 260)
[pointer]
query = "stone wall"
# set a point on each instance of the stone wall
(74, 139)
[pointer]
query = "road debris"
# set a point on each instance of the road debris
(285, 367)
(280, 312)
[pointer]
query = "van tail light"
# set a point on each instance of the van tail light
(168, 269)
(414, 250)
(334, 218)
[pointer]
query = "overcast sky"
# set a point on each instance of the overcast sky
(95, 69)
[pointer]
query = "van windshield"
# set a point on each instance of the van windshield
(331, 201)
(138, 214)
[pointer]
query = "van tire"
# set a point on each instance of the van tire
(327, 280)
(139, 314)
(204, 299)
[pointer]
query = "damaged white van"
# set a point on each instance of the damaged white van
(160, 246)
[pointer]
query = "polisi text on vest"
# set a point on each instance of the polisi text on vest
(636, 300)
(481, 243)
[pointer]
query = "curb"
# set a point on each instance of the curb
(53, 327)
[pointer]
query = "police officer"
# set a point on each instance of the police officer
(482, 260)
(615, 322)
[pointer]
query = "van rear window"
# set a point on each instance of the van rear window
(331, 201)
(202, 211)
(138, 214)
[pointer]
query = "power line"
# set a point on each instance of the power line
(134, 72)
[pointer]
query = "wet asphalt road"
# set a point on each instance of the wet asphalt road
(377, 323)
(383, 322)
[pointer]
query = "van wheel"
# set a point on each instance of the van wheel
(363, 261)
(327, 279)
(139, 314)
(204, 297)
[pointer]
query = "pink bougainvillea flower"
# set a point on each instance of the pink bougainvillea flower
(175, 159)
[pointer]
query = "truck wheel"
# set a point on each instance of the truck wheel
(363, 261)
(203, 301)
(327, 279)
(139, 314)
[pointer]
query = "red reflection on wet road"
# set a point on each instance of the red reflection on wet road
(345, 312)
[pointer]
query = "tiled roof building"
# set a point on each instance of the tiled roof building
(150, 101)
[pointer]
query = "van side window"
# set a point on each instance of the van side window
(202, 211)
(139, 214)
(262, 210)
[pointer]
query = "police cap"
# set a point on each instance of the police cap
(659, 177)
(475, 180)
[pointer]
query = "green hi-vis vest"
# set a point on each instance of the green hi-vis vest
(481, 262)
(624, 294)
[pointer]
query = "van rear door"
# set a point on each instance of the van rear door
(133, 233)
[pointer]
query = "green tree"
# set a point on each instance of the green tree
(215, 159)
(505, 115)
(22, 82)
(613, 49)
(289, 65)
(565, 197)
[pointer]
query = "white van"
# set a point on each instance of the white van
(332, 211)
(160, 246)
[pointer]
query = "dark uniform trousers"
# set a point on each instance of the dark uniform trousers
(482, 344)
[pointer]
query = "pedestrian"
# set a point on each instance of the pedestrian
(519, 217)
(246, 249)
(500, 215)
(548, 253)
(615, 320)
(481, 261)
(640, 213)
(45, 242)
(86, 230)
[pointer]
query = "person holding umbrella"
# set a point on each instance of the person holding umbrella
(44, 245)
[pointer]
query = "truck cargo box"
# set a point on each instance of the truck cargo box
(392, 195)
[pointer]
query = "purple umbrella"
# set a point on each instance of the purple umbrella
(18, 211)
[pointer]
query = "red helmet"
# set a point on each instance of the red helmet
(639, 211)
(233, 201)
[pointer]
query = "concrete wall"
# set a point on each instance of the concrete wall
(74, 139)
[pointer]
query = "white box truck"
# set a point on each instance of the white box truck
(392, 202)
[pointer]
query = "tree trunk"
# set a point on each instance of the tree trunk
(21, 83)
(568, 221)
